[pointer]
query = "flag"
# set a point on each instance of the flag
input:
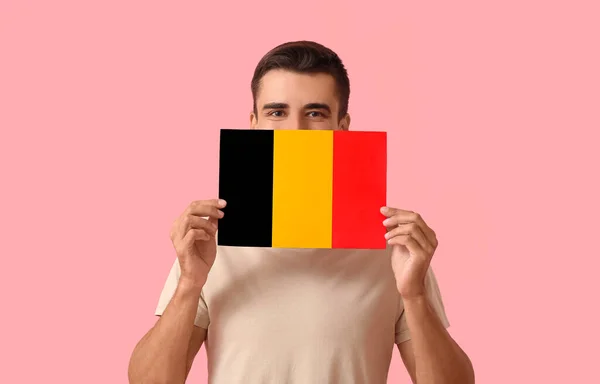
(302, 188)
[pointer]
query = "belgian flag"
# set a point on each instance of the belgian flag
(302, 189)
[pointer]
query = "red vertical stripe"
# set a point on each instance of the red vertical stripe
(359, 189)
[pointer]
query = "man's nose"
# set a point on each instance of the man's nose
(296, 123)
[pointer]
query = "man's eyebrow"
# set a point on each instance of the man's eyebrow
(275, 106)
(318, 106)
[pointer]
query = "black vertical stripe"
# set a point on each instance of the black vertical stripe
(246, 183)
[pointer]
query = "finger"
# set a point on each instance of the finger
(200, 208)
(398, 216)
(431, 236)
(389, 211)
(208, 208)
(411, 244)
(197, 222)
(195, 235)
(427, 231)
(414, 231)
(403, 217)
(214, 222)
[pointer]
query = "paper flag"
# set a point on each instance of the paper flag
(302, 189)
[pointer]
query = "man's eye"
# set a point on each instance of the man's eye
(315, 114)
(276, 113)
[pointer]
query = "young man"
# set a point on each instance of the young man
(300, 315)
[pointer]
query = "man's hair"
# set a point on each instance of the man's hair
(304, 57)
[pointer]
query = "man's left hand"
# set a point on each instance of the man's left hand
(414, 244)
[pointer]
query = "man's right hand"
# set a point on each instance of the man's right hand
(193, 235)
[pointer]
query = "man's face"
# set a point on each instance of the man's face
(289, 100)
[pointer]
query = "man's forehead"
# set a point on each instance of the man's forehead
(278, 86)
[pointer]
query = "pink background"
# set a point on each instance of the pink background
(109, 116)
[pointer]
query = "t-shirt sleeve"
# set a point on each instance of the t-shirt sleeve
(202, 319)
(435, 299)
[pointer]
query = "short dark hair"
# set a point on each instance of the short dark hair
(304, 57)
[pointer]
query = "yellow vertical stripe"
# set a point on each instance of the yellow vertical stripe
(302, 189)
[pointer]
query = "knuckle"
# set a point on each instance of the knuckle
(174, 229)
(185, 224)
(179, 249)
(193, 206)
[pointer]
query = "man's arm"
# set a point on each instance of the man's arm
(431, 355)
(165, 354)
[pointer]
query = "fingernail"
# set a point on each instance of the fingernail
(222, 203)
(221, 213)
(383, 209)
(386, 221)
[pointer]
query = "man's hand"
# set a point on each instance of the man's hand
(413, 246)
(193, 235)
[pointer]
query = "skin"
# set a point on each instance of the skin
(288, 100)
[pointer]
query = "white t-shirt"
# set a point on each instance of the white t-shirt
(300, 316)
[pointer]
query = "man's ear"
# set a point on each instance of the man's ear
(253, 120)
(344, 124)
